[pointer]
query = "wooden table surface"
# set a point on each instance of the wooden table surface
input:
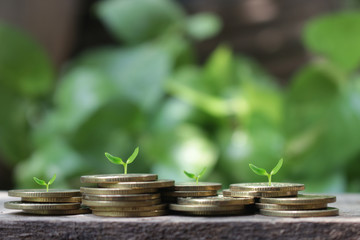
(16, 225)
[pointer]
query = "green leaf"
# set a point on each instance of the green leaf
(258, 171)
(203, 26)
(52, 180)
(133, 156)
(135, 21)
(190, 175)
(202, 172)
(337, 37)
(113, 159)
(39, 181)
(24, 64)
(277, 167)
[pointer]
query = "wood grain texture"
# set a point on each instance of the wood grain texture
(14, 225)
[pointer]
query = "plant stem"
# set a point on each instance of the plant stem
(269, 176)
(125, 168)
(47, 187)
(197, 181)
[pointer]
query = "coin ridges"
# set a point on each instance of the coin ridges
(52, 199)
(229, 193)
(120, 203)
(116, 191)
(301, 213)
(201, 186)
(137, 185)
(113, 178)
(41, 206)
(290, 207)
(265, 187)
(301, 199)
(218, 201)
(207, 208)
(58, 212)
(190, 193)
(131, 214)
(130, 197)
(44, 193)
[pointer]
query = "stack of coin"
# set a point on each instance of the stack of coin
(212, 206)
(53, 202)
(191, 189)
(125, 195)
(304, 205)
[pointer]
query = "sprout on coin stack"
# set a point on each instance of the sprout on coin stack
(282, 199)
(125, 195)
(192, 189)
(47, 201)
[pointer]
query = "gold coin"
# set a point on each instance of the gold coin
(113, 178)
(204, 208)
(301, 199)
(264, 187)
(190, 194)
(90, 203)
(217, 213)
(290, 207)
(131, 209)
(301, 213)
(41, 206)
(43, 193)
(201, 186)
(116, 191)
(58, 212)
(130, 197)
(218, 201)
(228, 193)
(137, 185)
(131, 214)
(52, 199)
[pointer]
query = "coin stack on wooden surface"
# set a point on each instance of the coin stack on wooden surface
(53, 202)
(212, 206)
(192, 189)
(281, 199)
(125, 195)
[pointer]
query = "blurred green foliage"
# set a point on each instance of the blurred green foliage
(150, 92)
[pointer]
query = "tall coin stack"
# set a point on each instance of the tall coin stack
(53, 202)
(212, 206)
(191, 189)
(282, 199)
(125, 195)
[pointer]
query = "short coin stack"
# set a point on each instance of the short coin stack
(282, 200)
(304, 205)
(53, 202)
(191, 189)
(212, 206)
(125, 195)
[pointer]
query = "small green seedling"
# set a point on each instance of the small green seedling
(196, 177)
(263, 172)
(43, 183)
(117, 160)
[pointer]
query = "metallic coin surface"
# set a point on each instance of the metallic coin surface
(113, 178)
(58, 212)
(218, 201)
(301, 199)
(41, 206)
(201, 186)
(290, 207)
(301, 213)
(43, 193)
(229, 193)
(207, 208)
(90, 203)
(130, 197)
(52, 199)
(137, 185)
(131, 214)
(264, 187)
(131, 209)
(217, 213)
(190, 193)
(116, 191)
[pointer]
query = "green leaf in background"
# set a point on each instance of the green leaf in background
(24, 65)
(203, 26)
(133, 156)
(277, 167)
(135, 21)
(113, 159)
(39, 181)
(337, 37)
(190, 175)
(258, 171)
(202, 172)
